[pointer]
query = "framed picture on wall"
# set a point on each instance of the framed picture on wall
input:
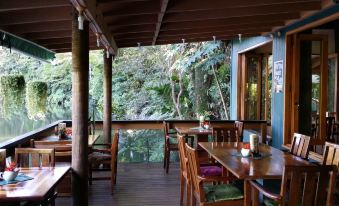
(278, 76)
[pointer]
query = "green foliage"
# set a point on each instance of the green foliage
(36, 100)
(12, 89)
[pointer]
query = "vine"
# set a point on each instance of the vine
(12, 89)
(36, 100)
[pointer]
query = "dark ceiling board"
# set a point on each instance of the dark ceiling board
(246, 11)
(133, 29)
(229, 21)
(60, 41)
(35, 15)
(131, 20)
(51, 34)
(11, 5)
(119, 1)
(209, 36)
(133, 35)
(136, 41)
(135, 8)
(220, 33)
(193, 5)
(220, 28)
(39, 27)
(164, 4)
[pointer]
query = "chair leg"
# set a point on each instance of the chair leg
(164, 155)
(188, 193)
(194, 200)
(182, 187)
(168, 160)
(90, 174)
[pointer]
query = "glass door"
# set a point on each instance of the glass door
(310, 80)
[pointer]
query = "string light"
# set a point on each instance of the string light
(98, 39)
(107, 53)
(81, 20)
(240, 35)
(214, 39)
(183, 41)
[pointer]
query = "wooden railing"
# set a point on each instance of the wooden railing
(23, 140)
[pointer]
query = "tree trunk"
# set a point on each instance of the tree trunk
(201, 95)
(220, 92)
(176, 98)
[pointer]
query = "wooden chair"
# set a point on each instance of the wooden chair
(301, 185)
(63, 148)
(300, 145)
(205, 170)
(32, 157)
(63, 153)
(169, 146)
(331, 157)
(225, 134)
(207, 193)
(105, 157)
(240, 126)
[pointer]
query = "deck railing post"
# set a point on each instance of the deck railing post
(107, 84)
(80, 74)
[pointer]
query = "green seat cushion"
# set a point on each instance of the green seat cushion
(270, 202)
(215, 193)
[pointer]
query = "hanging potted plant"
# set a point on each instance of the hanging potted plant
(12, 89)
(36, 99)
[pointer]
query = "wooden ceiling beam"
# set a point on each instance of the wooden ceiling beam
(35, 15)
(128, 9)
(38, 27)
(35, 36)
(234, 21)
(193, 5)
(161, 14)
(246, 11)
(16, 5)
(97, 22)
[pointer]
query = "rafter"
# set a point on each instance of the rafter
(159, 22)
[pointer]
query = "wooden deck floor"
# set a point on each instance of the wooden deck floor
(137, 185)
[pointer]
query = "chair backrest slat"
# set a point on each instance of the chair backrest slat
(182, 153)
(300, 145)
(194, 171)
(331, 154)
(308, 185)
(32, 157)
(225, 135)
(240, 127)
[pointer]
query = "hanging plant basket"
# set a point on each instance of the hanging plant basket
(12, 89)
(36, 100)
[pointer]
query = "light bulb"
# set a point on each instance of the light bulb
(240, 35)
(98, 39)
(214, 38)
(107, 53)
(81, 21)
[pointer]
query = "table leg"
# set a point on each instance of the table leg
(247, 193)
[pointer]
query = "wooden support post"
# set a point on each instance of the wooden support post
(107, 116)
(80, 73)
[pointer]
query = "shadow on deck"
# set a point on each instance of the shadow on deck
(137, 184)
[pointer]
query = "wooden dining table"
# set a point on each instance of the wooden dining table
(54, 138)
(270, 166)
(200, 133)
(44, 181)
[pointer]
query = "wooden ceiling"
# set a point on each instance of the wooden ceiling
(149, 22)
